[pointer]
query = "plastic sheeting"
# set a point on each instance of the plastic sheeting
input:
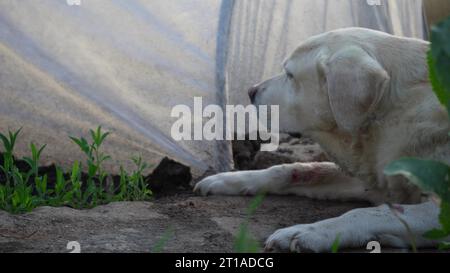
(124, 64)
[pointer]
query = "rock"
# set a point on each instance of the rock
(243, 153)
(169, 177)
(248, 157)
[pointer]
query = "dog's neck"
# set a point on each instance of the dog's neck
(363, 152)
(341, 148)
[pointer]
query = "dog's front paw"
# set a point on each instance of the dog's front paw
(231, 183)
(215, 184)
(300, 238)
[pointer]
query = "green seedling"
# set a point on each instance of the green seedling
(22, 197)
(162, 242)
(95, 159)
(33, 162)
(244, 242)
(123, 186)
(139, 190)
(63, 196)
(336, 244)
(41, 187)
(75, 180)
(9, 143)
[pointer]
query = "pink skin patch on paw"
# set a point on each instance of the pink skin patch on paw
(302, 177)
(398, 208)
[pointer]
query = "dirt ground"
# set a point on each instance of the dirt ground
(177, 221)
(188, 223)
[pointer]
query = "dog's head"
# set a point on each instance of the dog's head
(329, 82)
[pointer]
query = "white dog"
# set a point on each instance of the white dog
(364, 96)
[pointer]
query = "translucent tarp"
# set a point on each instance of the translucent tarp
(124, 64)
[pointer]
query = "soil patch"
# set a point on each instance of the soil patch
(190, 224)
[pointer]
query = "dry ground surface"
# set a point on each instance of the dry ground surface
(189, 223)
(179, 222)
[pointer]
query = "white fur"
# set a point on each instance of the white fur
(365, 97)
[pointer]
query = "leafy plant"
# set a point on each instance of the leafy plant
(75, 180)
(22, 190)
(433, 176)
(133, 187)
(138, 187)
(95, 159)
(9, 143)
(15, 194)
(22, 198)
(33, 162)
(63, 195)
(41, 186)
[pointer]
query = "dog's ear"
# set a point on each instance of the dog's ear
(355, 84)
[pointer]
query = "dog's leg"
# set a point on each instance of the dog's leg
(358, 227)
(321, 180)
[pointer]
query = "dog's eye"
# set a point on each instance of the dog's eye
(289, 75)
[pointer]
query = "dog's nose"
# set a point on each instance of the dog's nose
(252, 93)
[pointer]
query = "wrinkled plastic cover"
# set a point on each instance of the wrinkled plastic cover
(124, 64)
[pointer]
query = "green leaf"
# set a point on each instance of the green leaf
(83, 144)
(92, 170)
(438, 87)
(105, 158)
(68, 196)
(29, 162)
(75, 171)
(39, 152)
(6, 143)
(13, 138)
(444, 216)
(33, 149)
(444, 246)
(98, 137)
(60, 183)
(103, 137)
(435, 234)
(41, 185)
(93, 135)
(255, 203)
(18, 177)
(431, 176)
(336, 244)
(439, 61)
(244, 242)
(159, 247)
